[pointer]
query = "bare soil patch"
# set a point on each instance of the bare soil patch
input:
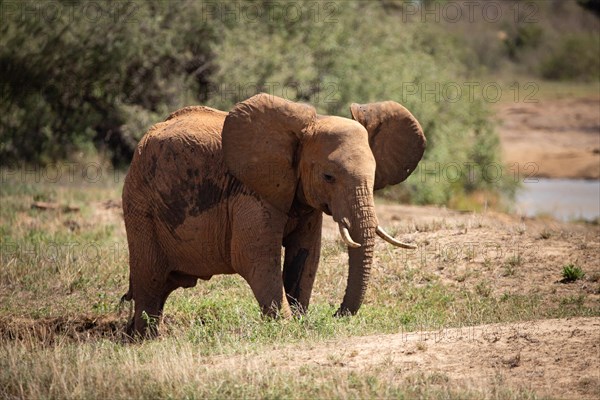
(512, 254)
(48, 331)
(558, 358)
(560, 136)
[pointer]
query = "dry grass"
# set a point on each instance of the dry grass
(173, 368)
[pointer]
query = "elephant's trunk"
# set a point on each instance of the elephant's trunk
(363, 224)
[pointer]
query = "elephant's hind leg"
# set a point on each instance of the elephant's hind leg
(149, 284)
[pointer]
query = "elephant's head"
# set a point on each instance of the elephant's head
(285, 151)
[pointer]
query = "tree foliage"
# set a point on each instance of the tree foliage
(81, 76)
(85, 73)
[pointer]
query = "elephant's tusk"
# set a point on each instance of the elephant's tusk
(386, 236)
(347, 238)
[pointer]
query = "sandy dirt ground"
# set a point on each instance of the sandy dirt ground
(557, 358)
(560, 137)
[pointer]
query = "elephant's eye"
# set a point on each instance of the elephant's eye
(328, 178)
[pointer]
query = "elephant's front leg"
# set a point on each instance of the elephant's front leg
(302, 252)
(267, 287)
(256, 255)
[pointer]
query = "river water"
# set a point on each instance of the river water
(565, 199)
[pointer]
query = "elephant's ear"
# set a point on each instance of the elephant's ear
(396, 139)
(260, 139)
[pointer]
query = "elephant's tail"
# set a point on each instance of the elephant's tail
(127, 296)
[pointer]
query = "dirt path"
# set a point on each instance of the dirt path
(561, 137)
(559, 358)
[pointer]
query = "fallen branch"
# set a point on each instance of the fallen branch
(42, 205)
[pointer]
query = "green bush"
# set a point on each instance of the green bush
(577, 57)
(527, 36)
(592, 5)
(524, 34)
(83, 73)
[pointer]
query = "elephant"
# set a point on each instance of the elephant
(210, 192)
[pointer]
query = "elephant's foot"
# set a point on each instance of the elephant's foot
(298, 309)
(145, 321)
(274, 305)
(275, 310)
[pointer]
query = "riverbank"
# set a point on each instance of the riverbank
(552, 138)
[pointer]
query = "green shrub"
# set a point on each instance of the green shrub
(527, 36)
(576, 58)
(592, 5)
(524, 35)
(571, 273)
(88, 73)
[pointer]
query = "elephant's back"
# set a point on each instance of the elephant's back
(189, 139)
(200, 113)
(177, 156)
(197, 127)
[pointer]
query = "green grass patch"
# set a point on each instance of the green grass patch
(572, 273)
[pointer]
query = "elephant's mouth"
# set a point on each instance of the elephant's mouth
(325, 208)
